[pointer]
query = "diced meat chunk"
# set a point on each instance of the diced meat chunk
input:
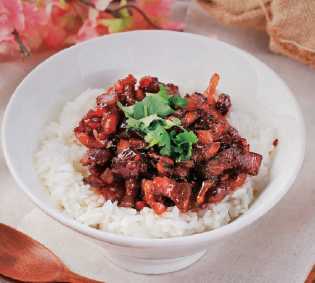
(195, 101)
(181, 196)
(238, 181)
(217, 194)
(131, 189)
(125, 90)
(206, 152)
(179, 193)
(205, 187)
(210, 91)
(88, 140)
(107, 176)
(218, 128)
(112, 193)
(149, 197)
(225, 187)
(223, 104)
(189, 118)
(109, 98)
(250, 162)
(149, 84)
(137, 144)
(204, 136)
(165, 166)
(179, 113)
(140, 204)
(94, 181)
(134, 144)
(139, 95)
(232, 158)
(172, 89)
(95, 170)
(223, 161)
(96, 156)
(128, 164)
(122, 145)
(182, 169)
(110, 121)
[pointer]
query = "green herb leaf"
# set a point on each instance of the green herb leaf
(116, 24)
(148, 117)
(178, 101)
(143, 123)
(184, 142)
(186, 137)
(128, 110)
(159, 136)
(120, 23)
(152, 104)
(169, 123)
(124, 12)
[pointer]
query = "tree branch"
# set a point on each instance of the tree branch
(23, 49)
(114, 11)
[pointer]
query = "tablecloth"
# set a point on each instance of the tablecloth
(277, 248)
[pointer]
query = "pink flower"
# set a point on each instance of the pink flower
(159, 12)
(63, 23)
(101, 5)
(54, 37)
(11, 17)
(29, 25)
(156, 8)
(35, 21)
(8, 48)
(93, 26)
(88, 30)
(177, 26)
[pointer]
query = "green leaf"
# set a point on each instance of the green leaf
(148, 117)
(139, 110)
(159, 136)
(166, 150)
(128, 110)
(157, 104)
(183, 145)
(144, 123)
(63, 3)
(116, 24)
(178, 101)
(186, 137)
(163, 92)
(123, 12)
(152, 104)
(169, 123)
(134, 124)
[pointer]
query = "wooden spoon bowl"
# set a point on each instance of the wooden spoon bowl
(24, 259)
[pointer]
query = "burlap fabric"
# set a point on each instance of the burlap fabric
(289, 23)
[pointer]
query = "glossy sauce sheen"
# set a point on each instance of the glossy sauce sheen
(123, 168)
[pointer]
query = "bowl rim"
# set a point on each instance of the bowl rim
(123, 240)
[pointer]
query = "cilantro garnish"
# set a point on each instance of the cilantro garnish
(149, 117)
(184, 142)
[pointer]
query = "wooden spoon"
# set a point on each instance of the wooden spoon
(311, 276)
(24, 259)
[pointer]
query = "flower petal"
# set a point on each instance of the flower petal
(11, 16)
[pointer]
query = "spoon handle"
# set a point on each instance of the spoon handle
(72, 277)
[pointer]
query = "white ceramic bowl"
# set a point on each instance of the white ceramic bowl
(186, 59)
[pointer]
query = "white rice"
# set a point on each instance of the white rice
(58, 167)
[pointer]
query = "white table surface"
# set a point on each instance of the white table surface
(277, 248)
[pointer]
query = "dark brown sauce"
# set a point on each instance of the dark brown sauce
(122, 168)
